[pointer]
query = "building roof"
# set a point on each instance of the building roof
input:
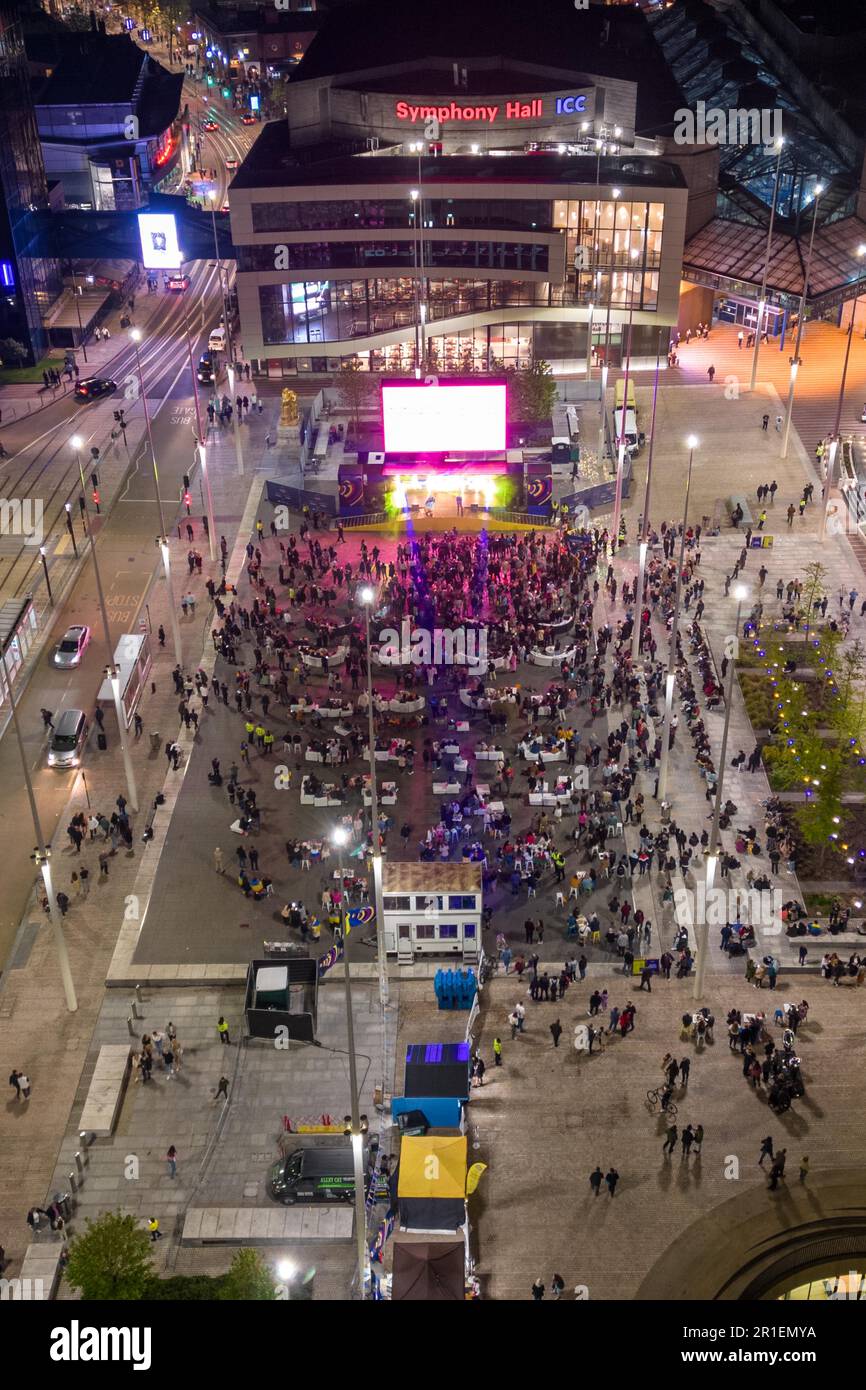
(610, 41)
(90, 68)
(418, 877)
(271, 163)
(266, 20)
(736, 253)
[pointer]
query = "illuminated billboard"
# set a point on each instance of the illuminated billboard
(159, 248)
(448, 415)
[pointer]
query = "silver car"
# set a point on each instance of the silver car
(70, 649)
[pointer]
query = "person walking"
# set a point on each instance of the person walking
(223, 1030)
(685, 1068)
(218, 861)
(557, 1286)
(153, 1227)
(698, 1139)
(670, 1140)
(687, 1139)
(538, 1290)
(595, 1180)
(611, 1177)
(15, 1080)
(497, 1052)
(171, 1160)
(804, 1167)
(556, 1031)
(24, 1083)
(766, 1150)
(222, 1089)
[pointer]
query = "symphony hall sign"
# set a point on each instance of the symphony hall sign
(513, 110)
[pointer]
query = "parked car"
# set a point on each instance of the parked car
(71, 647)
(68, 740)
(325, 1174)
(217, 340)
(93, 387)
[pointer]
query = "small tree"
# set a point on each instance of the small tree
(532, 392)
(355, 387)
(248, 1279)
(814, 588)
(11, 350)
(112, 1260)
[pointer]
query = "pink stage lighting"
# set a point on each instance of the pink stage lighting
(453, 416)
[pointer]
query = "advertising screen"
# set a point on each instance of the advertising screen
(453, 416)
(159, 248)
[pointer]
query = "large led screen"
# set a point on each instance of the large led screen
(159, 248)
(452, 416)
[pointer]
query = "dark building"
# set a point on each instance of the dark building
(30, 278)
(108, 117)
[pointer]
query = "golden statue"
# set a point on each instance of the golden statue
(289, 409)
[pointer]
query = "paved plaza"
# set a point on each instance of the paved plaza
(546, 1117)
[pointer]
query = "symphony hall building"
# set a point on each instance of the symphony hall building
(466, 185)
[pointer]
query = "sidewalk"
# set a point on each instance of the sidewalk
(36, 1031)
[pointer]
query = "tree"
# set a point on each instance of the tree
(814, 588)
(532, 392)
(355, 387)
(12, 350)
(112, 1260)
(248, 1279)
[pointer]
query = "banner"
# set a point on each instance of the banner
(359, 917)
(474, 1176)
(329, 960)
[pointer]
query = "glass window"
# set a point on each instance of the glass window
(461, 902)
(448, 932)
(469, 930)
(397, 904)
(425, 931)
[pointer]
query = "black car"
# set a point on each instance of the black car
(205, 372)
(93, 388)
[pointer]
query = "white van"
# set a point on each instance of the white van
(217, 340)
(633, 438)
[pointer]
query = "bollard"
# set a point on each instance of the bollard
(79, 1162)
(85, 1140)
(135, 1009)
(137, 989)
(130, 1025)
(73, 1182)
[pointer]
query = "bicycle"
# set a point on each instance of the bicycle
(655, 1102)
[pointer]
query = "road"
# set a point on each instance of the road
(45, 467)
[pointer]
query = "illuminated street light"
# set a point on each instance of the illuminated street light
(691, 444)
(366, 596)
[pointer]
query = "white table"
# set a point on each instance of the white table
(446, 788)
(489, 755)
(407, 706)
(539, 658)
(555, 755)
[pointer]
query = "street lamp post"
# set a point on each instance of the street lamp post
(42, 854)
(644, 543)
(202, 448)
(70, 528)
(762, 300)
(78, 312)
(112, 671)
(604, 366)
(713, 856)
(795, 360)
(162, 538)
(45, 569)
(367, 596)
(339, 837)
(620, 453)
(672, 650)
(835, 442)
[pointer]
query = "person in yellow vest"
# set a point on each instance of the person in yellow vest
(260, 735)
(153, 1227)
(268, 742)
(250, 730)
(497, 1052)
(223, 1030)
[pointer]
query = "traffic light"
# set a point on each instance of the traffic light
(96, 498)
(227, 93)
(94, 479)
(187, 500)
(209, 79)
(82, 506)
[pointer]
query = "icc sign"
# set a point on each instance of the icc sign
(566, 106)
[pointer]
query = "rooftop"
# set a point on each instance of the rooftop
(737, 252)
(272, 164)
(612, 42)
(416, 877)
